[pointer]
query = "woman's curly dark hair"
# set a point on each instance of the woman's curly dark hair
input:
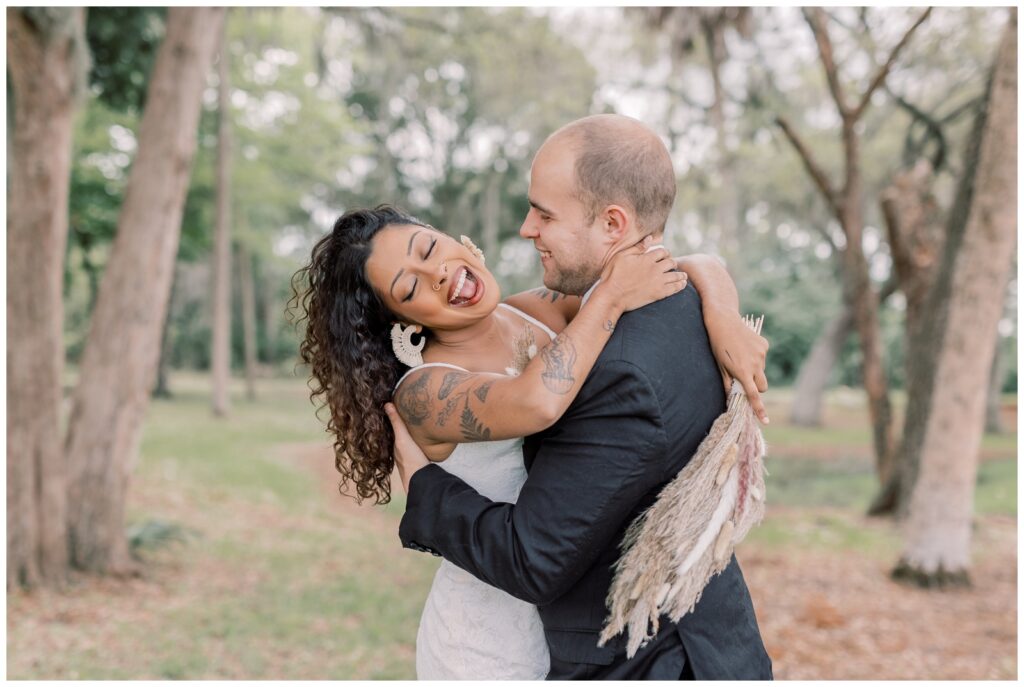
(347, 344)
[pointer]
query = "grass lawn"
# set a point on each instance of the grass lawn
(270, 574)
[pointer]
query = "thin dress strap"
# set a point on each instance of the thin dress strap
(420, 367)
(547, 330)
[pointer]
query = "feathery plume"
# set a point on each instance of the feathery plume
(673, 549)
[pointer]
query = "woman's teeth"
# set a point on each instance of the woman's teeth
(458, 287)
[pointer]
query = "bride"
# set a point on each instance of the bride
(394, 307)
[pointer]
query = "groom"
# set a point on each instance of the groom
(597, 186)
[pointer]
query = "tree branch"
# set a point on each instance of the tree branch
(883, 71)
(816, 172)
(888, 289)
(957, 111)
(933, 129)
(815, 18)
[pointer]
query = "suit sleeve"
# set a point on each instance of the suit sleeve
(590, 471)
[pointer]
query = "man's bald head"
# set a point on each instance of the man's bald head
(619, 161)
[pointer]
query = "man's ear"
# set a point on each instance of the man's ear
(617, 222)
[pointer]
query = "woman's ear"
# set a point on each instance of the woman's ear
(416, 328)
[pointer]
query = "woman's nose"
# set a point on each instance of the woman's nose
(440, 275)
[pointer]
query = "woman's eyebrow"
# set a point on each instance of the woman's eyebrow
(394, 281)
(408, 251)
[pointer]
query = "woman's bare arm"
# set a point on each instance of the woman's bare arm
(740, 352)
(443, 406)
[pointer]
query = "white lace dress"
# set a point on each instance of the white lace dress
(469, 629)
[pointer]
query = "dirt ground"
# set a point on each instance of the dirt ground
(838, 615)
(824, 615)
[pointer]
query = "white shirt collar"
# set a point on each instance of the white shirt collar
(586, 296)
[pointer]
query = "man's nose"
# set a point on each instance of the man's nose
(528, 230)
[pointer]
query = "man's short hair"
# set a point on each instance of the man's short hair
(621, 161)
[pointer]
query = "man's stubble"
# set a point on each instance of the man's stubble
(573, 281)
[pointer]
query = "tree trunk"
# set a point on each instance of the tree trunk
(979, 255)
(994, 398)
(846, 204)
(41, 64)
(727, 205)
(91, 269)
(809, 392)
(120, 357)
(162, 389)
(248, 319)
(916, 241)
(492, 217)
(269, 307)
(220, 353)
(859, 292)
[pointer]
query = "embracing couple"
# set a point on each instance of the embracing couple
(614, 374)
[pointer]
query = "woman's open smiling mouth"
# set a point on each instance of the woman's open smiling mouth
(467, 289)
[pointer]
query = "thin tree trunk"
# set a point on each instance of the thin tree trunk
(120, 357)
(271, 311)
(247, 288)
(492, 216)
(92, 270)
(727, 205)
(994, 398)
(811, 382)
(220, 353)
(41, 64)
(916, 241)
(979, 254)
(162, 389)
(846, 203)
(865, 308)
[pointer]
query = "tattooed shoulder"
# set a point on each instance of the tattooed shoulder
(413, 399)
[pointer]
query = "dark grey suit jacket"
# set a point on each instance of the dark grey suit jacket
(638, 419)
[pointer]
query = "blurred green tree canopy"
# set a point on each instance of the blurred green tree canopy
(439, 110)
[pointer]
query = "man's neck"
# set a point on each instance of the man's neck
(586, 296)
(593, 286)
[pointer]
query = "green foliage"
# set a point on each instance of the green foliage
(429, 107)
(154, 533)
(123, 42)
(475, 88)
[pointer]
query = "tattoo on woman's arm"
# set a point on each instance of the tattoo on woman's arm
(451, 380)
(450, 407)
(472, 428)
(609, 326)
(413, 400)
(481, 391)
(559, 357)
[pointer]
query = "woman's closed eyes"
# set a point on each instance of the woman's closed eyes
(433, 242)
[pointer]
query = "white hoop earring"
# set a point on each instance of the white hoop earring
(401, 344)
